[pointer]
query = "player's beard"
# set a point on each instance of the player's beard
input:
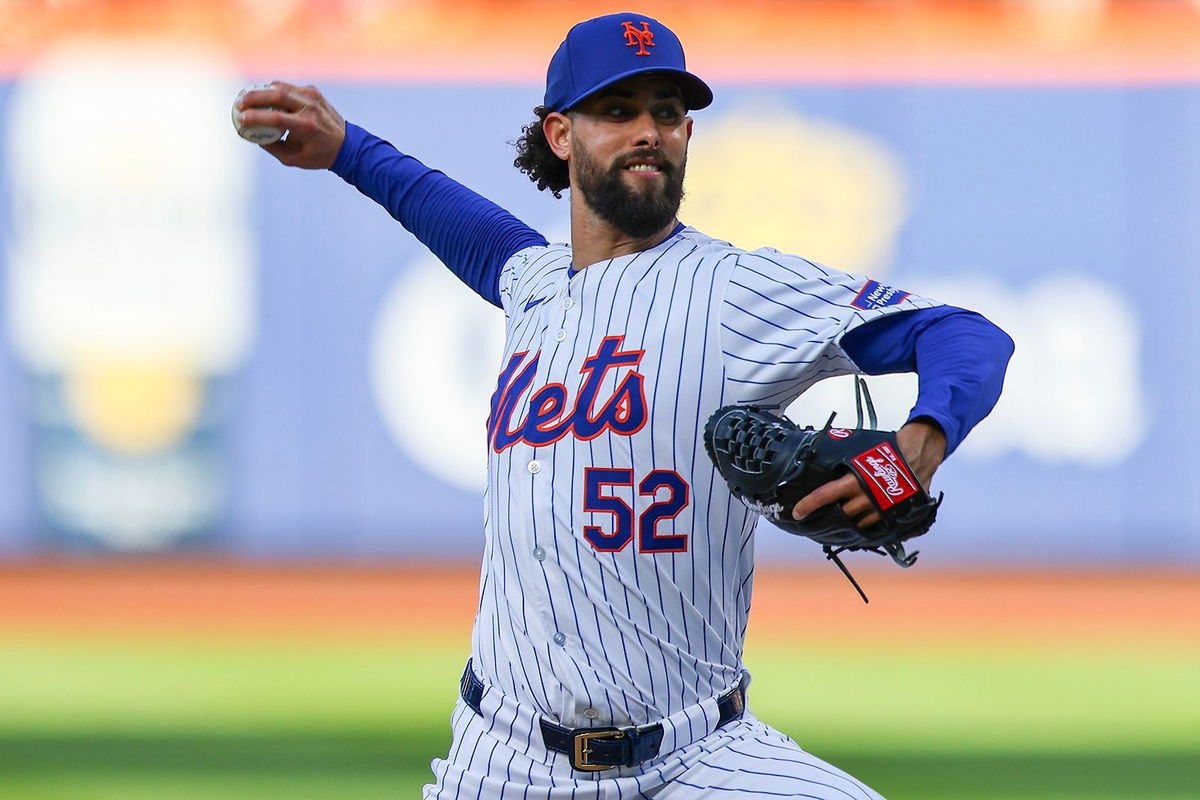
(637, 214)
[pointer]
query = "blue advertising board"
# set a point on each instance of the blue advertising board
(349, 414)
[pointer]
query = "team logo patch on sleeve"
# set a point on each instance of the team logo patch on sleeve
(875, 295)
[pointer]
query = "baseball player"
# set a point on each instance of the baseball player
(616, 580)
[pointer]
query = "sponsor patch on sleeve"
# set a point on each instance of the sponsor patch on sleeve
(875, 295)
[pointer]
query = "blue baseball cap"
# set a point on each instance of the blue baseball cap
(599, 52)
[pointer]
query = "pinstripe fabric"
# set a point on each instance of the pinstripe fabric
(746, 759)
(608, 378)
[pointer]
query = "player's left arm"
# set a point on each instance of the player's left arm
(960, 359)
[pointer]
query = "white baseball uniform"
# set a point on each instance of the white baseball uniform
(617, 572)
(617, 569)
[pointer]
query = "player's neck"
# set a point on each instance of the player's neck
(594, 239)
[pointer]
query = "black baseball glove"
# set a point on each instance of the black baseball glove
(770, 463)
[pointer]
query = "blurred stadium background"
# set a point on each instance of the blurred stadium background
(240, 407)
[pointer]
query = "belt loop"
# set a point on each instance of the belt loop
(471, 689)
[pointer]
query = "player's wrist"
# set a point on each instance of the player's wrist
(923, 444)
(345, 160)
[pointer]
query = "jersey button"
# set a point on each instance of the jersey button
(569, 303)
(591, 713)
(561, 335)
(539, 554)
(534, 466)
(559, 638)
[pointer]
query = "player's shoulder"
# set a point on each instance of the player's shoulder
(531, 265)
(708, 245)
(541, 252)
(539, 259)
(776, 260)
(763, 260)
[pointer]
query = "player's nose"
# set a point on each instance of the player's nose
(645, 130)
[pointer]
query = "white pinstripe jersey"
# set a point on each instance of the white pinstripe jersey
(617, 570)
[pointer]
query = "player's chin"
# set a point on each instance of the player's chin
(646, 184)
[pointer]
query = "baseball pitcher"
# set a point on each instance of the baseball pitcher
(616, 579)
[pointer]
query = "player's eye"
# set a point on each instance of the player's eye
(669, 113)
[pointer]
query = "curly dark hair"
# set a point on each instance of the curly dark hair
(537, 160)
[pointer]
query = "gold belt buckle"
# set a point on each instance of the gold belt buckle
(582, 750)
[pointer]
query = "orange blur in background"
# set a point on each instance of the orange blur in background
(436, 603)
(950, 41)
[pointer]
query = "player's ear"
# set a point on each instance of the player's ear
(557, 129)
(689, 129)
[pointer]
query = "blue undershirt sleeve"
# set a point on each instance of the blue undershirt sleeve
(472, 236)
(959, 357)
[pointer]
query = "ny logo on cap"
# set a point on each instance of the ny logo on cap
(643, 38)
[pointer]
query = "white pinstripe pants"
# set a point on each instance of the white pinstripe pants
(746, 758)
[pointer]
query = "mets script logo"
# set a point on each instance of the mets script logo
(547, 418)
(642, 39)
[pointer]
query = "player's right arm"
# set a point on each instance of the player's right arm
(471, 235)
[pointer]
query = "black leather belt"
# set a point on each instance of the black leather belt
(593, 749)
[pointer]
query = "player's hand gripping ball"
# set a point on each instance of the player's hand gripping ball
(770, 463)
(259, 134)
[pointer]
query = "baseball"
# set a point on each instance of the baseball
(259, 134)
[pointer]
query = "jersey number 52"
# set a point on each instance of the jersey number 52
(596, 480)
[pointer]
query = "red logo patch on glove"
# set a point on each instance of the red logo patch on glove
(886, 474)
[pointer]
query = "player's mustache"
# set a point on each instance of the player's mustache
(657, 155)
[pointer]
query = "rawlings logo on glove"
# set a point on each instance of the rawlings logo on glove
(770, 463)
(890, 479)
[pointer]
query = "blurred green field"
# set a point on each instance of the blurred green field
(239, 717)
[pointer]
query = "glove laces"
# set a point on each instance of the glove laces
(862, 400)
